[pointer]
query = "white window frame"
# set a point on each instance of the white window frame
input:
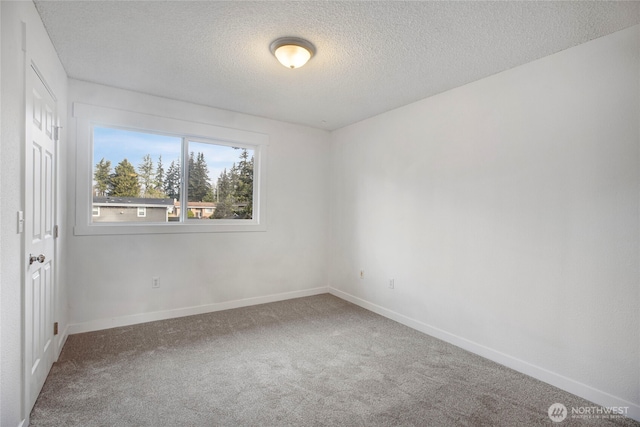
(89, 116)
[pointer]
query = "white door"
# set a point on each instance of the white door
(41, 132)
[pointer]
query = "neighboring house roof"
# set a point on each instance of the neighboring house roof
(132, 201)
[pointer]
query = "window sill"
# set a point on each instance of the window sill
(164, 228)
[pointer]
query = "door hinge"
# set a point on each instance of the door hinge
(55, 232)
(20, 222)
(55, 328)
(56, 133)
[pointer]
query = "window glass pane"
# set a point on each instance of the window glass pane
(220, 182)
(136, 176)
(109, 202)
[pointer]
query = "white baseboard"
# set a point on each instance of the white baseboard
(114, 322)
(594, 395)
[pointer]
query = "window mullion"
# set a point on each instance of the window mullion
(184, 182)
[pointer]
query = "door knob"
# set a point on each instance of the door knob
(32, 258)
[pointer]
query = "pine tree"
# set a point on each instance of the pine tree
(224, 197)
(234, 190)
(102, 177)
(199, 185)
(145, 175)
(190, 181)
(224, 186)
(172, 181)
(159, 180)
(244, 190)
(125, 181)
(209, 197)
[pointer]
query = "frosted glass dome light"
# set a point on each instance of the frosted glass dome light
(292, 52)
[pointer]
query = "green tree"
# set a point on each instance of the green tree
(209, 197)
(224, 210)
(154, 193)
(172, 181)
(223, 197)
(102, 177)
(125, 181)
(146, 175)
(223, 188)
(244, 186)
(199, 185)
(159, 180)
(234, 190)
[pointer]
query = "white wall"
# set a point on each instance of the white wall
(12, 119)
(507, 213)
(110, 276)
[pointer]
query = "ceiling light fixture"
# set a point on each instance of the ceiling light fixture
(292, 52)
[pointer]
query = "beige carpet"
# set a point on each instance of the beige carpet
(316, 361)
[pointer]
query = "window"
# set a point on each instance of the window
(143, 170)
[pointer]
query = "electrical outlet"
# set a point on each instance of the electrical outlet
(155, 282)
(362, 274)
(392, 283)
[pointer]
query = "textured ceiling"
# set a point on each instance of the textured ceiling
(371, 56)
